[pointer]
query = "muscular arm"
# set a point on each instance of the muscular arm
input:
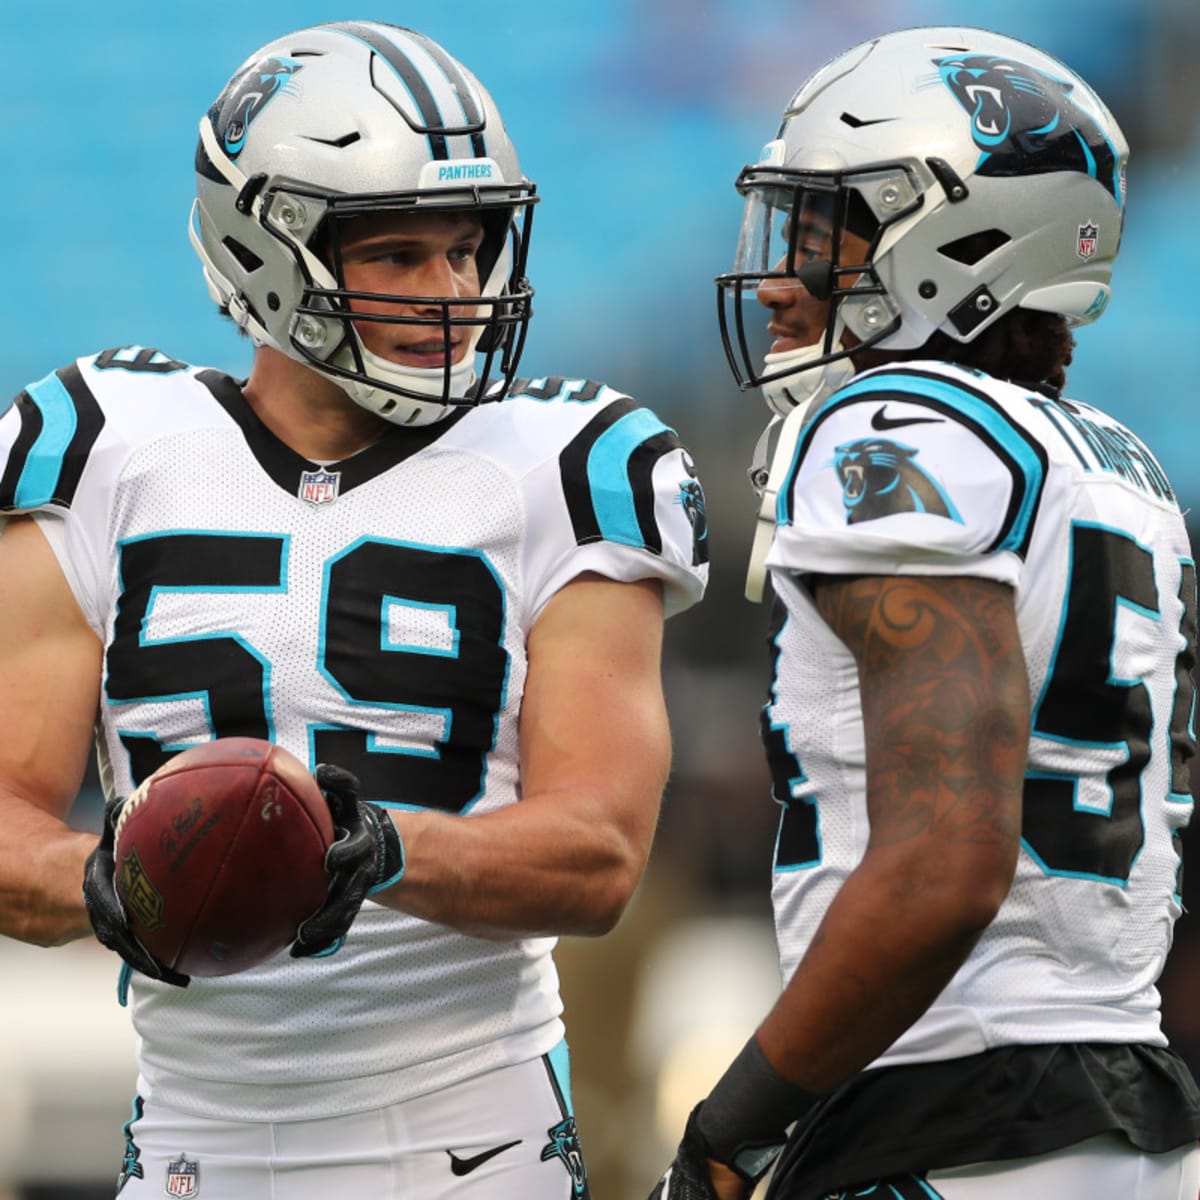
(946, 716)
(50, 664)
(595, 752)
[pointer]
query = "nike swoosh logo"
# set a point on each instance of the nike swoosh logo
(881, 421)
(464, 1166)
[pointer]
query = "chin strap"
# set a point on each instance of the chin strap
(772, 457)
(794, 382)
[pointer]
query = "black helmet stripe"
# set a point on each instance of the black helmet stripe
(434, 125)
(458, 81)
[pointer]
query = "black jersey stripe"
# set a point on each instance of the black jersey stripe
(38, 474)
(607, 476)
(18, 455)
(641, 469)
(1026, 495)
(572, 465)
(90, 421)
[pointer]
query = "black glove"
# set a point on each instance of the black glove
(104, 906)
(366, 856)
(687, 1178)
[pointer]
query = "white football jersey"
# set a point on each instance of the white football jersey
(371, 613)
(931, 469)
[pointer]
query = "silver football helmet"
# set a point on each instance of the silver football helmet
(338, 121)
(983, 174)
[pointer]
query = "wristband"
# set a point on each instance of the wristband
(745, 1118)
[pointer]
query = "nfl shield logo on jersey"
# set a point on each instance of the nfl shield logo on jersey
(183, 1177)
(319, 487)
(1089, 235)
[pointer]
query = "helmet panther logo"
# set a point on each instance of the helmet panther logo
(879, 478)
(1025, 121)
(248, 95)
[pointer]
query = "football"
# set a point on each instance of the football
(220, 855)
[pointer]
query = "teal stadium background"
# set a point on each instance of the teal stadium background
(633, 117)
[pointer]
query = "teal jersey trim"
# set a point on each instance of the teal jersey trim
(608, 475)
(44, 464)
(963, 404)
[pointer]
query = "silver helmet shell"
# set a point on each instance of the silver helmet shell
(994, 178)
(337, 121)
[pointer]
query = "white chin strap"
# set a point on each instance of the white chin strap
(772, 458)
(793, 397)
(405, 410)
(800, 388)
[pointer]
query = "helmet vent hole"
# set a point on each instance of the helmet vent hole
(273, 301)
(975, 247)
(247, 259)
(386, 408)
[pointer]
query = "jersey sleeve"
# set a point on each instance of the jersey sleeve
(64, 443)
(620, 497)
(910, 472)
(46, 438)
(54, 440)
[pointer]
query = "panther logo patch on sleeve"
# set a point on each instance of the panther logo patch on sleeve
(691, 497)
(880, 478)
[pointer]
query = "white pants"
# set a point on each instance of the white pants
(505, 1134)
(1101, 1168)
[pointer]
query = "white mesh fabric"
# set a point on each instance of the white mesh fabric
(405, 1007)
(1073, 955)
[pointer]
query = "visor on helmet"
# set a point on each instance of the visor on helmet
(792, 234)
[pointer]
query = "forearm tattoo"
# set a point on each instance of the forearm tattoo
(945, 702)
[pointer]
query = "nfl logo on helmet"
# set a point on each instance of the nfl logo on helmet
(319, 487)
(183, 1176)
(1089, 234)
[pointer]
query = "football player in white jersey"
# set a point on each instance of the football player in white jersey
(383, 551)
(980, 716)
